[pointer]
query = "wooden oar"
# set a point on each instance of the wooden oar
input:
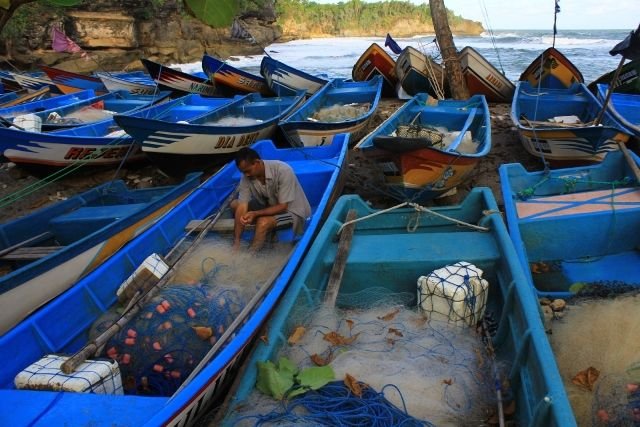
(340, 261)
(139, 299)
(632, 164)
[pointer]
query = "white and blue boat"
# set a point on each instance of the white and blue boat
(278, 74)
(46, 104)
(340, 106)
(49, 250)
(624, 107)
(64, 324)
(233, 79)
(558, 124)
(372, 328)
(194, 137)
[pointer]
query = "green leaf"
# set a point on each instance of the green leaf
(217, 13)
(5, 4)
(313, 378)
(275, 380)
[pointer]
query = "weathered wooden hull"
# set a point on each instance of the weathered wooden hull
(483, 78)
(552, 70)
(226, 75)
(416, 73)
(376, 61)
(179, 81)
(70, 82)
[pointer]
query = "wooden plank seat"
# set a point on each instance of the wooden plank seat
(30, 253)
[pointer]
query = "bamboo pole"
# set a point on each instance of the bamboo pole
(457, 83)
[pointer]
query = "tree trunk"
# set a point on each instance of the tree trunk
(5, 15)
(457, 84)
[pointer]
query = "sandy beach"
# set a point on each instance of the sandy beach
(363, 177)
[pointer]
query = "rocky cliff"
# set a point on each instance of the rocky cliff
(116, 33)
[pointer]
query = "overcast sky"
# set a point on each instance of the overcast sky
(538, 14)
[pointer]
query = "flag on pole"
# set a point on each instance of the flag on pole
(629, 48)
(391, 43)
(61, 43)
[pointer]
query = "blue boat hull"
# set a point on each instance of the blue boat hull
(385, 259)
(318, 170)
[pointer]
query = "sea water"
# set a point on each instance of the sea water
(510, 51)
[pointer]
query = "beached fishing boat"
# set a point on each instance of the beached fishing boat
(628, 81)
(558, 125)
(47, 251)
(171, 79)
(483, 78)
(376, 61)
(278, 74)
(101, 143)
(426, 149)
(340, 106)
(624, 107)
(551, 69)
(70, 82)
(234, 79)
(419, 73)
(11, 99)
(318, 170)
(211, 137)
(575, 227)
(384, 311)
(143, 85)
(47, 104)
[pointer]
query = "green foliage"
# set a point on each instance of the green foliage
(24, 16)
(284, 379)
(216, 13)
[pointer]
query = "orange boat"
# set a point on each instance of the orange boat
(375, 60)
(483, 78)
(553, 69)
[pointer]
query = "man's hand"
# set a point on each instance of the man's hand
(248, 218)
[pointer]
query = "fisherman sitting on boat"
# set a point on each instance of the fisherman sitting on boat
(269, 196)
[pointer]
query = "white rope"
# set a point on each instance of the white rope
(418, 208)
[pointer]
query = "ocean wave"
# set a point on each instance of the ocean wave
(501, 35)
(572, 41)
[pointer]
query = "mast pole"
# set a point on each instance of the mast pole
(453, 70)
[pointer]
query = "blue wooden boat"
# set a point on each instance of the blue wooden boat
(558, 126)
(101, 143)
(70, 82)
(135, 85)
(425, 149)
(52, 248)
(576, 226)
(278, 74)
(46, 104)
(234, 79)
(11, 99)
(389, 251)
(176, 80)
(624, 107)
(186, 141)
(340, 106)
(317, 169)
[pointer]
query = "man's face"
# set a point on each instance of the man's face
(250, 169)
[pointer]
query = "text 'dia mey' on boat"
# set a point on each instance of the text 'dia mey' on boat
(340, 106)
(559, 125)
(101, 143)
(376, 61)
(483, 78)
(419, 73)
(278, 74)
(203, 321)
(429, 147)
(176, 80)
(234, 79)
(46, 252)
(196, 136)
(624, 108)
(379, 324)
(551, 69)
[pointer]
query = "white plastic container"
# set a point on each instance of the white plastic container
(152, 268)
(456, 293)
(28, 122)
(93, 376)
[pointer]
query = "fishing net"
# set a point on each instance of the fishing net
(233, 121)
(436, 372)
(456, 293)
(91, 113)
(340, 112)
(432, 135)
(616, 401)
(169, 336)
